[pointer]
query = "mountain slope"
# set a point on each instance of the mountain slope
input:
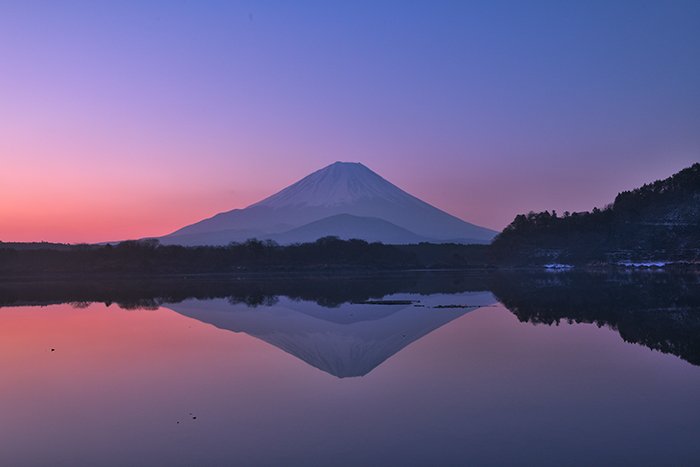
(340, 188)
(346, 226)
(658, 221)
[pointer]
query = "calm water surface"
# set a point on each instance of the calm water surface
(574, 371)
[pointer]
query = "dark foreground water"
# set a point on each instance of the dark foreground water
(416, 369)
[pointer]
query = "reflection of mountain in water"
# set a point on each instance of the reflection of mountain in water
(349, 340)
(660, 310)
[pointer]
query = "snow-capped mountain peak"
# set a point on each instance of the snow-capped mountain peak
(345, 199)
(334, 185)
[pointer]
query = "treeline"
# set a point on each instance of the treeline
(149, 292)
(149, 257)
(660, 311)
(659, 220)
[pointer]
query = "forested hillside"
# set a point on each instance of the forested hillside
(659, 221)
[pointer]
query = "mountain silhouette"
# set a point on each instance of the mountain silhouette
(372, 209)
(347, 341)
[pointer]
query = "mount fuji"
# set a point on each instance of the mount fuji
(344, 199)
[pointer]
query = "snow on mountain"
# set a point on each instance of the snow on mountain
(338, 184)
(341, 188)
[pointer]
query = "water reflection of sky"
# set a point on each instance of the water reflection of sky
(481, 388)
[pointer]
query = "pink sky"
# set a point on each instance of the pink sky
(127, 120)
(79, 200)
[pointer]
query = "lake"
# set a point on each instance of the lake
(451, 368)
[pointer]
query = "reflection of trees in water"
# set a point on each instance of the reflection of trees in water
(141, 304)
(658, 310)
(254, 300)
(329, 291)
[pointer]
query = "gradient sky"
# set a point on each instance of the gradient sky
(128, 119)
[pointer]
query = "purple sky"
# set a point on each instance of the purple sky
(130, 119)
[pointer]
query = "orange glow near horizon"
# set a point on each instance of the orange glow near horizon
(71, 202)
(133, 119)
(97, 216)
